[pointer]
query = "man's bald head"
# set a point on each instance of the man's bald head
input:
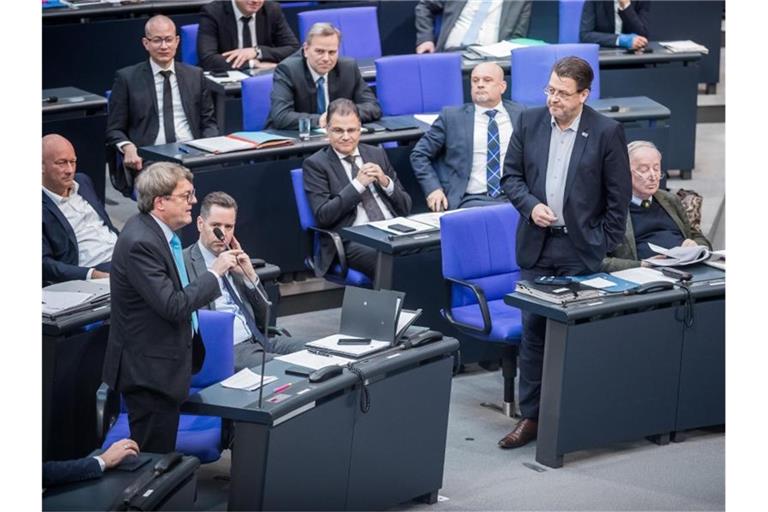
(59, 164)
(488, 84)
(158, 22)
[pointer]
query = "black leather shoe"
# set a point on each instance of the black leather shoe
(525, 431)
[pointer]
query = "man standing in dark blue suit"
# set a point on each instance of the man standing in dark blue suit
(78, 237)
(458, 161)
(567, 173)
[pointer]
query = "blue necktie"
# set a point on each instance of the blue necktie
(492, 161)
(320, 95)
(178, 258)
(249, 320)
(474, 29)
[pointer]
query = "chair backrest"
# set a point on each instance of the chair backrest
(570, 21)
(216, 329)
(359, 28)
(306, 217)
(531, 66)
(256, 100)
(189, 44)
(478, 245)
(415, 84)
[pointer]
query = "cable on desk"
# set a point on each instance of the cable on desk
(688, 306)
(365, 398)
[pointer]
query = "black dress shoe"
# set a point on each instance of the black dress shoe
(525, 431)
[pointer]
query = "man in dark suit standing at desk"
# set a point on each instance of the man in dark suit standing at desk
(458, 161)
(243, 33)
(154, 346)
(309, 80)
(349, 184)
(158, 101)
(567, 173)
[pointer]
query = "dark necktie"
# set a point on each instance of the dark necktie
(645, 203)
(247, 42)
(492, 161)
(168, 127)
(249, 320)
(370, 205)
(320, 95)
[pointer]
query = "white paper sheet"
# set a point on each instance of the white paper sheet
(314, 361)
(642, 275)
(597, 282)
(54, 302)
(247, 380)
(426, 118)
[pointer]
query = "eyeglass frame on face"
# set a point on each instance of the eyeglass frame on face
(650, 173)
(158, 41)
(555, 93)
(340, 132)
(189, 196)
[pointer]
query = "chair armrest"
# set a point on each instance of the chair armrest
(274, 331)
(481, 301)
(107, 409)
(338, 245)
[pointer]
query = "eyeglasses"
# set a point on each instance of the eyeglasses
(158, 41)
(189, 197)
(649, 174)
(551, 91)
(338, 132)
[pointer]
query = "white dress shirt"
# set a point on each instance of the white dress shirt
(617, 19)
(478, 177)
(489, 30)
(95, 241)
(315, 76)
(239, 25)
(180, 123)
(362, 217)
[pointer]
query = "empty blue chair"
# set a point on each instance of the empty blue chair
(570, 21)
(479, 267)
(530, 68)
(415, 84)
(189, 44)
(256, 93)
(341, 273)
(200, 436)
(359, 28)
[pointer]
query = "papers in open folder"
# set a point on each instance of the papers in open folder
(677, 256)
(246, 380)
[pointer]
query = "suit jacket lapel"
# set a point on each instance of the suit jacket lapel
(544, 129)
(56, 211)
(582, 138)
(334, 83)
(230, 27)
(468, 136)
(186, 95)
(629, 236)
(149, 86)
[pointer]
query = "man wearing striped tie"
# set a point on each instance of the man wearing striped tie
(458, 161)
(154, 346)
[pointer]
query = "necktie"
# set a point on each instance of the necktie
(249, 320)
(170, 131)
(370, 205)
(474, 29)
(645, 203)
(320, 95)
(178, 258)
(492, 161)
(247, 41)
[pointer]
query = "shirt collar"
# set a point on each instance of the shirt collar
(239, 14)
(482, 110)
(167, 231)
(315, 75)
(355, 153)
(637, 201)
(156, 69)
(572, 127)
(56, 198)
(208, 256)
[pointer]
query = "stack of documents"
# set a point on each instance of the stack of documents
(677, 256)
(684, 46)
(240, 141)
(71, 297)
(247, 380)
(313, 360)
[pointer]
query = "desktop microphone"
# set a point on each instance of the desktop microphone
(219, 234)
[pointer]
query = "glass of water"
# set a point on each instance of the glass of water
(304, 128)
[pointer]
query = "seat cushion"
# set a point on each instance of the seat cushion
(506, 321)
(354, 278)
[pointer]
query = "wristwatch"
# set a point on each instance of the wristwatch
(258, 52)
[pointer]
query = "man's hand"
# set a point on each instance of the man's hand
(119, 451)
(639, 42)
(323, 121)
(131, 158)
(373, 169)
(426, 47)
(236, 58)
(542, 215)
(244, 267)
(257, 64)
(436, 200)
(225, 261)
(98, 274)
(364, 177)
(688, 243)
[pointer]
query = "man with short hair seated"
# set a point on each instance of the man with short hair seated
(238, 286)
(78, 237)
(622, 23)
(349, 184)
(655, 216)
(458, 161)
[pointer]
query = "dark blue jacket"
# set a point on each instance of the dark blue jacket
(598, 22)
(64, 471)
(60, 251)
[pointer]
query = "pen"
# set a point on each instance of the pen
(282, 388)
(318, 353)
(184, 150)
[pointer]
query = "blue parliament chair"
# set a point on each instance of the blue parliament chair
(341, 273)
(530, 68)
(416, 84)
(189, 44)
(569, 23)
(359, 28)
(201, 436)
(479, 268)
(256, 100)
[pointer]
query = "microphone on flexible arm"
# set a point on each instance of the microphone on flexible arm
(219, 234)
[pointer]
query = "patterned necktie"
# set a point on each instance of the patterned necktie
(370, 205)
(256, 334)
(492, 160)
(474, 29)
(168, 126)
(320, 95)
(247, 41)
(178, 258)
